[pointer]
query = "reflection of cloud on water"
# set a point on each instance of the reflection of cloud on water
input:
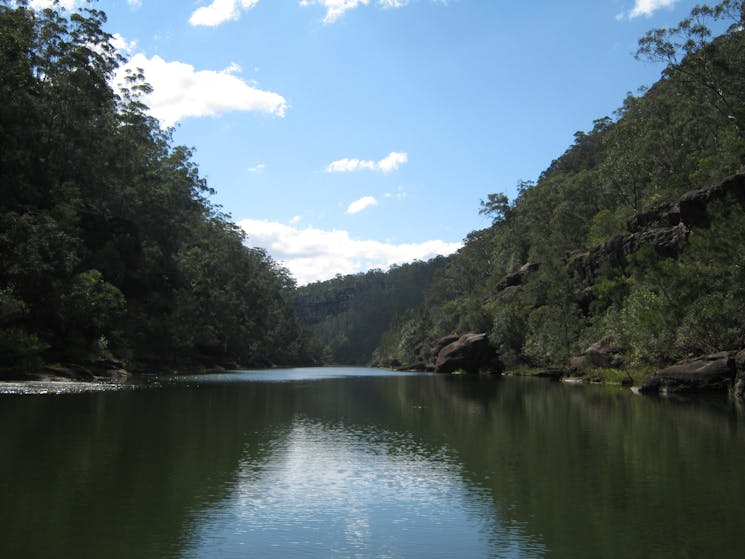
(337, 491)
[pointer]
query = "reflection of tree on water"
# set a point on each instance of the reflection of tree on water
(533, 464)
(342, 490)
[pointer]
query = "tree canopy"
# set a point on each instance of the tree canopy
(596, 206)
(110, 246)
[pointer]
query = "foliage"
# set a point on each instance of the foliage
(108, 241)
(683, 133)
(349, 314)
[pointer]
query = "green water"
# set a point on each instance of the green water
(337, 463)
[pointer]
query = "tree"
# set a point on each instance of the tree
(108, 240)
(497, 206)
(701, 63)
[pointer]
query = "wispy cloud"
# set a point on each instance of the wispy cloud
(43, 4)
(362, 204)
(400, 194)
(315, 254)
(181, 91)
(335, 9)
(257, 168)
(392, 3)
(123, 45)
(135, 3)
(646, 8)
(220, 11)
(388, 164)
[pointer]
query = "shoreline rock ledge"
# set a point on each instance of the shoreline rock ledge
(709, 373)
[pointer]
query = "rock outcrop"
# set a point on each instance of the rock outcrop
(664, 229)
(602, 354)
(714, 372)
(516, 279)
(471, 353)
(616, 251)
(691, 208)
(740, 379)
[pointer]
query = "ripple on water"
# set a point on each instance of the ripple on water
(329, 490)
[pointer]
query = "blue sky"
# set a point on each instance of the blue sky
(349, 134)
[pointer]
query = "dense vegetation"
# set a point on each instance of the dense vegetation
(348, 313)
(685, 132)
(109, 244)
(110, 247)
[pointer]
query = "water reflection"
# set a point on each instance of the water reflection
(336, 490)
(358, 463)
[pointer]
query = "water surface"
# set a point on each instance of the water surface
(363, 463)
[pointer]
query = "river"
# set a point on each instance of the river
(346, 462)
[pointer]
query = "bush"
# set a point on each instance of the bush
(645, 327)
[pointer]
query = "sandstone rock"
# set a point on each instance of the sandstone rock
(740, 380)
(604, 353)
(442, 342)
(471, 353)
(740, 362)
(665, 229)
(615, 252)
(516, 279)
(507, 292)
(705, 373)
(577, 363)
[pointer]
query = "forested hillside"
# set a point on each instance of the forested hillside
(110, 247)
(594, 248)
(348, 314)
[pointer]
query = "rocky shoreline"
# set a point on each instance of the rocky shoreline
(722, 372)
(71, 378)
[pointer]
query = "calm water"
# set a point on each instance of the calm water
(339, 463)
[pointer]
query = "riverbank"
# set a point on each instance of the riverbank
(722, 373)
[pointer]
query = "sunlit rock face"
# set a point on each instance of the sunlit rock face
(708, 372)
(470, 353)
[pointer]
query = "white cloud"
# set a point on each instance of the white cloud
(400, 194)
(135, 3)
(122, 45)
(362, 204)
(392, 161)
(43, 4)
(314, 254)
(257, 168)
(393, 3)
(389, 163)
(646, 8)
(349, 165)
(180, 91)
(335, 9)
(219, 12)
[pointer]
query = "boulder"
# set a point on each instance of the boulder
(604, 353)
(470, 353)
(740, 380)
(705, 373)
(577, 363)
(442, 342)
